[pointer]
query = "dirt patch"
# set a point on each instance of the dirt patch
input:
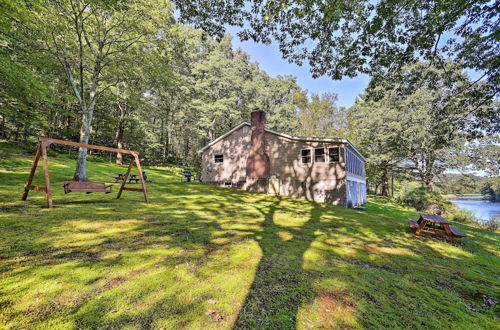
(137, 307)
(111, 284)
(329, 303)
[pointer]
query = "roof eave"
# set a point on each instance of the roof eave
(222, 137)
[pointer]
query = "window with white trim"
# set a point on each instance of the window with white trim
(219, 158)
(333, 154)
(305, 155)
(319, 155)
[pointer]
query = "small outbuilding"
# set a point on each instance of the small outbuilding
(258, 159)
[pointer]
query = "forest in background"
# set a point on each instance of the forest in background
(126, 74)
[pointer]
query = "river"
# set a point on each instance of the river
(482, 209)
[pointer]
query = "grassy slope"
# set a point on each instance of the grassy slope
(249, 259)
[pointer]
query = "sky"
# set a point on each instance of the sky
(270, 60)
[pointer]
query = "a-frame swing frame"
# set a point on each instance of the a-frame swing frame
(41, 151)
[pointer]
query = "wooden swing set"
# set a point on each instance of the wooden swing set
(76, 186)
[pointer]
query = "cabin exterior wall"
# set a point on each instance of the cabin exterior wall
(322, 182)
(234, 149)
(257, 159)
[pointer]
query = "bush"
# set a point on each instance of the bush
(462, 216)
(493, 224)
(491, 189)
(431, 202)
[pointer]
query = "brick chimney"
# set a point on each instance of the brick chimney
(258, 165)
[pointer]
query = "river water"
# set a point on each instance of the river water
(482, 209)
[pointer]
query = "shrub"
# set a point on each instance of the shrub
(424, 200)
(492, 224)
(491, 189)
(462, 216)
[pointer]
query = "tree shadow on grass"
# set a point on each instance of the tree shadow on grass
(187, 226)
(281, 284)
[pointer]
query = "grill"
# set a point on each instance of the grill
(187, 175)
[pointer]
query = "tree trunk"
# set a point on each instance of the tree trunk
(211, 135)
(392, 184)
(385, 184)
(119, 156)
(166, 145)
(429, 176)
(187, 149)
(16, 134)
(2, 126)
(81, 163)
(211, 130)
(163, 138)
(429, 184)
(120, 129)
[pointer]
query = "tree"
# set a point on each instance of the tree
(484, 154)
(460, 183)
(90, 40)
(321, 117)
(373, 128)
(192, 88)
(491, 189)
(345, 38)
(166, 94)
(26, 92)
(408, 119)
(282, 98)
(224, 87)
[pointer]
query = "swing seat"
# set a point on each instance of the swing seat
(87, 187)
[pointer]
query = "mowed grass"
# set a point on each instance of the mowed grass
(202, 257)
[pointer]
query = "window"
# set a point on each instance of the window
(333, 154)
(319, 155)
(219, 159)
(306, 156)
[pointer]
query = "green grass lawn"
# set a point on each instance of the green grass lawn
(204, 257)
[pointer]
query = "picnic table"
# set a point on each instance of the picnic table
(435, 224)
(131, 177)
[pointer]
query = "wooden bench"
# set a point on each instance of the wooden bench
(456, 232)
(119, 177)
(87, 187)
(134, 177)
(413, 224)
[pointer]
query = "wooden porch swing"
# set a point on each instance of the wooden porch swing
(76, 186)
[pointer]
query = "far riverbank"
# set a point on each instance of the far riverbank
(481, 208)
